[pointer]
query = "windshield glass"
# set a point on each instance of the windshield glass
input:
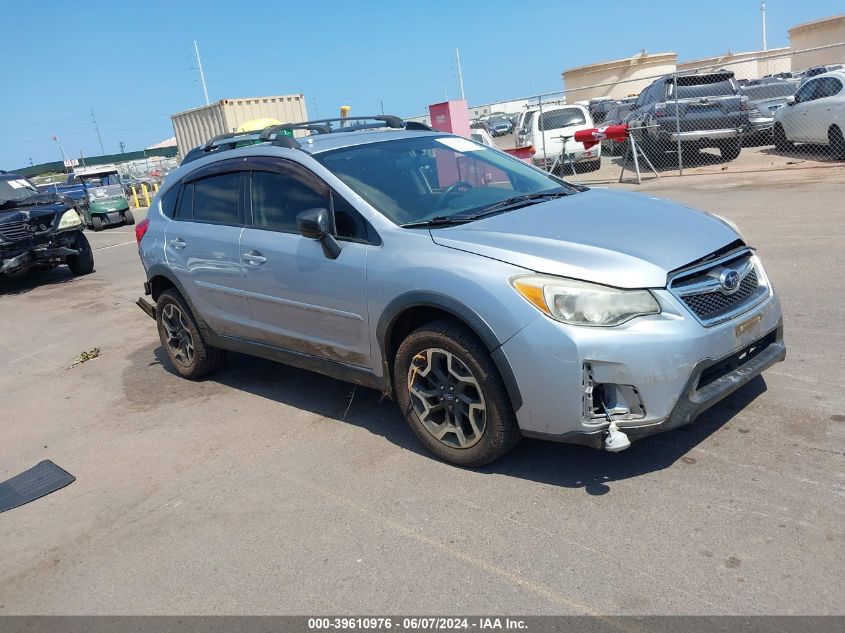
(16, 189)
(107, 191)
(419, 178)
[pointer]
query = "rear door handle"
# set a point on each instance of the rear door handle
(178, 243)
(254, 258)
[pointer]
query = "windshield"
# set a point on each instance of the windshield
(424, 177)
(565, 117)
(16, 190)
(106, 191)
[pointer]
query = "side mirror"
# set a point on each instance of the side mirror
(791, 100)
(314, 224)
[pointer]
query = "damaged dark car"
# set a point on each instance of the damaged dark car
(39, 231)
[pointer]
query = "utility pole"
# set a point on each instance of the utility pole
(96, 129)
(763, 13)
(202, 75)
(460, 74)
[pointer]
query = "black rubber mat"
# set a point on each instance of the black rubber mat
(33, 484)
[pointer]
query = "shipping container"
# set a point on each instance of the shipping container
(195, 127)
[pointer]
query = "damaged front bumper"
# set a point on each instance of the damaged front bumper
(53, 250)
(650, 375)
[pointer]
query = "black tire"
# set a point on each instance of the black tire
(499, 432)
(83, 263)
(782, 144)
(730, 150)
(593, 165)
(836, 142)
(96, 223)
(128, 218)
(203, 358)
(653, 150)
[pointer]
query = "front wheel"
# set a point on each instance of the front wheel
(452, 395)
(83, 262)
(730, 150)
(779, 136)
(836, 142)
(128, 218)
(96, 223)
(180, 337)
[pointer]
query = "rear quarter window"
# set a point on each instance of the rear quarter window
(168, 202)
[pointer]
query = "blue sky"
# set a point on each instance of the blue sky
(133, 61)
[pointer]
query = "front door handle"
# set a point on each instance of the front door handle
(178, 243)
(254, 258)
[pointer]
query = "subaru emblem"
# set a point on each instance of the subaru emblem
(729, 280)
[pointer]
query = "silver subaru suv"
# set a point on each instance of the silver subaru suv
(490, 299)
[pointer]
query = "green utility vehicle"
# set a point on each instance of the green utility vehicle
(105, 203)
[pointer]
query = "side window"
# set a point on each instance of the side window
(168, 202)
(348, 222)
(216, 199)
(277, 198)
(185, 210)
(828, 87)
(806, 92)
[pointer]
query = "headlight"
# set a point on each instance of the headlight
(70, 218)
(582, 303)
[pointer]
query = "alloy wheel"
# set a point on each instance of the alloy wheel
(447, 398)
(180, 341)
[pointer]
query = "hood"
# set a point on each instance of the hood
(614, 238)
(45, 212)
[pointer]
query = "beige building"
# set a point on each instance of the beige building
(826, 35)
(195, 127)
(748, 65)
(618, 78)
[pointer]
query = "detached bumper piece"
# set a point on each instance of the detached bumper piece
(148, 308)
(33, 484)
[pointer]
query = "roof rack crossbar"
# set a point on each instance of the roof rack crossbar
(222, 137)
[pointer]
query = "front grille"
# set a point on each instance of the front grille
(699, 286)
(707, 305)
(14, 231)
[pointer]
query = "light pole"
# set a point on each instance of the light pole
(763, 14)
(202, 75)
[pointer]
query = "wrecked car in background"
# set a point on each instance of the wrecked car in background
(40, 230)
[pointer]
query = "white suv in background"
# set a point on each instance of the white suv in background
(816, 114)
(558, 125)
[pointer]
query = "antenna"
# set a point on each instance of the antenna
(202, 75)
(97, 130)
(460, 74)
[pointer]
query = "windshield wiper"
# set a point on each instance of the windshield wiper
(516, 202)
(437, 220)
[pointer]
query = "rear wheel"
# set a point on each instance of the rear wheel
(180, 337)
(83, 262)
(836, 142)
(593, 165)
(730, 150)
(128, 218)
(779, 136)
(96, 223)
(452, 395)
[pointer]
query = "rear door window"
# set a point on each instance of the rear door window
(565, 117)
(216, 199)
(185, 209)
(705, 86)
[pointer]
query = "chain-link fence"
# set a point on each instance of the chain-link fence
(737, 112)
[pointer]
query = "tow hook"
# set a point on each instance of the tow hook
(614, 439)
(148, 308)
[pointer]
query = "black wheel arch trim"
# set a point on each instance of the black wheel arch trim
(424, 299)
(160, 270)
